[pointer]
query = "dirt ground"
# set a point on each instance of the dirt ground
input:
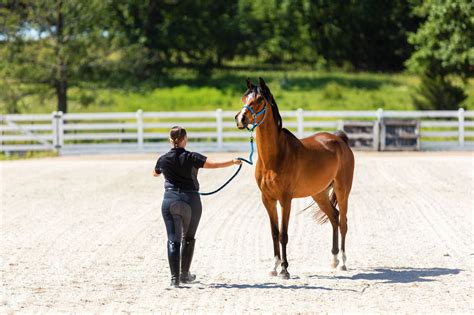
(85, 234)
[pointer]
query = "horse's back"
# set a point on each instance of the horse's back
(331, 144)
(326, 141)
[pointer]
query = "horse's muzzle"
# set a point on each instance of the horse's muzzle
(241, 121)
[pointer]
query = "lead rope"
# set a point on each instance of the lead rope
(249, 161)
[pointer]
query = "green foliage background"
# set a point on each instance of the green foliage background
(122, 55)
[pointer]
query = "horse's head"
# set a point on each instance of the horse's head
(255, 101)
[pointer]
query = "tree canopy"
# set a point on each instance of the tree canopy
(444, 52)
(48, 46)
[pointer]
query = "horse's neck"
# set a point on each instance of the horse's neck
(268, 137)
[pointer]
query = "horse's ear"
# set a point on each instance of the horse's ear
(249, 84)
(263, 86)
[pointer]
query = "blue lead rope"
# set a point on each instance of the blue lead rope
(249, 161)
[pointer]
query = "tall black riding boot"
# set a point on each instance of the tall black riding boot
(173, 259)
(187, 250)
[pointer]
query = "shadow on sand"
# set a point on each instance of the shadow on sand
(271, 286)
(381, 275)
(397, 275)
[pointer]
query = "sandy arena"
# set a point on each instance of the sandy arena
(85, 234)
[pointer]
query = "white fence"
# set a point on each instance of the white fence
(209, 131)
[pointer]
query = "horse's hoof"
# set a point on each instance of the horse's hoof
(334, 263)
(272, 273)
(344, 268)
(284, 274)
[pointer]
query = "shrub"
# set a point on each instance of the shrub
(333, 91)
(436, 92)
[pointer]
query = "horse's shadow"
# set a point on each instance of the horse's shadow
(396, 275)
(381, 275)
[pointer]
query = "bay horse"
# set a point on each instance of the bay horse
(320, 166)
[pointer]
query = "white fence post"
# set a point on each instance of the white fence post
(1, 133)
(220, 129)
(60, 132)
(54, 126)
(379, 132)
(139, 116)
(461, 127)
(299, 119)
(57, 126)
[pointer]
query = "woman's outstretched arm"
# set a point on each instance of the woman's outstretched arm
(219, 164)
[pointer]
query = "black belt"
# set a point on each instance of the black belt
(181, 190)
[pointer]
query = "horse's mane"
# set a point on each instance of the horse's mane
(276, 114)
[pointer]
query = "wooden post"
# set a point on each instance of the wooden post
(220, 129)
(300, 120)
(461, 127)
(139, 116)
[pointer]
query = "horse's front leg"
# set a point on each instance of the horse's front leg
(270, 205)
(285, 213)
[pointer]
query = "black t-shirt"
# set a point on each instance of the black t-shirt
(180, 168)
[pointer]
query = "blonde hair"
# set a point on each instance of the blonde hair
(177, 134)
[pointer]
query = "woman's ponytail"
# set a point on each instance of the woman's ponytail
(177, 134)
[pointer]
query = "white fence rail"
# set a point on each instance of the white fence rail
(211, 130)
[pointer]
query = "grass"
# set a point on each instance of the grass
(4, 156)
(185, 90)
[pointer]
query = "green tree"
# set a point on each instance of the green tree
(435, 92)
(367, 34)
(203, 33)
(138, 29)
(275, 31)
(52, 43)
(189, 33)
(444, 53)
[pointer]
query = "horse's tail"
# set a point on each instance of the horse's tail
(341, 134)
(321, 217)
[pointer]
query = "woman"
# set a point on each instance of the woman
(181, 208)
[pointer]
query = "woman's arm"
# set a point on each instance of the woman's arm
(219, 164)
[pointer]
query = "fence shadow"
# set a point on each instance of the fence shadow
(397, 275)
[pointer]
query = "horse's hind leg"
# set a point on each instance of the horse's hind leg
(270, 205)
(342, 195)
(343, 224)
(322, 199)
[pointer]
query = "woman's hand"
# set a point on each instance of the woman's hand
(237, 161)
(155, 174)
